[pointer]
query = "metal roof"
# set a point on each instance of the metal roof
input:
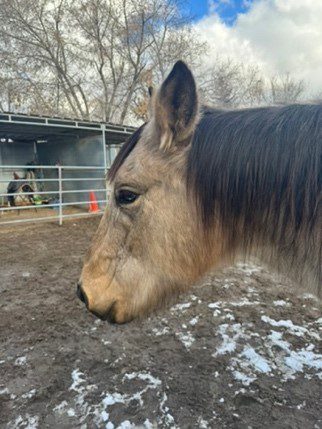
(26, 128)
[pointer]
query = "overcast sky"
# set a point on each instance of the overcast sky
(279, 35)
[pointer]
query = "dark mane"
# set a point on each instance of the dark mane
(124, 152)
(260, 171)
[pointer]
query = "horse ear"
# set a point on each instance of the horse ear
(150, 102)
(176, 106)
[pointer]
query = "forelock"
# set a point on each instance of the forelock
(124, 152)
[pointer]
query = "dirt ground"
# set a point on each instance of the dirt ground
(241, 350)
(35, 213)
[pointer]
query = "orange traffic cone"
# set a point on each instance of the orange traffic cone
(93, 206)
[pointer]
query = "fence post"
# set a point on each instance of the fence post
(60, 191)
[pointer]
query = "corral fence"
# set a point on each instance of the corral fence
(54, 193)
(52, 169)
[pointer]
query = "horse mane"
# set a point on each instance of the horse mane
(259, 171)
(124, 152)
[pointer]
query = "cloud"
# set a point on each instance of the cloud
(279, 35)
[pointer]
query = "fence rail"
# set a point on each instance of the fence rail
(76, 196)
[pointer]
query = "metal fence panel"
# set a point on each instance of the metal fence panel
(63, 200)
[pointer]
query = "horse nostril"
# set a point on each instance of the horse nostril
(81, 294)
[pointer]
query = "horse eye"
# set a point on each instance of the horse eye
(124, 197)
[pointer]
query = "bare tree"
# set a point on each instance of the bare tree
(231, 84)
(35, 35)
(171, 38)
(88, 58)
(155, 37)
(99, 43)
(285, 89)
(94, 59)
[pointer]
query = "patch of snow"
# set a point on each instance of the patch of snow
(126, 425)
(60, 407)
(272, 354)
(229, 343)
(202, 424)
(215, 304)
(297, 330)
(194, 321)
(100, 411)
(243, 378)
(242, 390)
(255, 360)
(78, 385)
(168, 419)
(310, 296)
(181, 307)
(302, 405)
(105, 416)
(227, 285)
(281, 303)
(71, 412)
(20, 361)
(276, 340)
(229, 316)
(148, 425)
(4, 391)
(77, 380)
(243, 302)
(119, 359)
(294, 361)
(3, 361)
(29, 394)
(186, 338)
(164, 331)
(29, 422)
(113, 398)
(298, 360)
(153, 381)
